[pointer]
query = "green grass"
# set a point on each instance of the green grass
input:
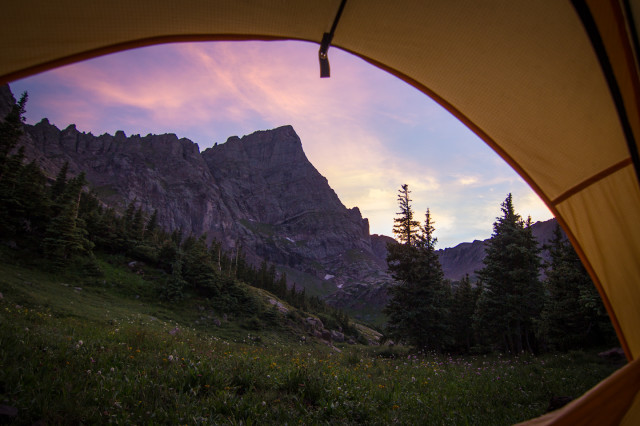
(109, 353)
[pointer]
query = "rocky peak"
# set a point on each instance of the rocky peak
(270, 178)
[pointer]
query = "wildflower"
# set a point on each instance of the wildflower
(170, 357)
(413, 379)
(395, 407)
(88, 371)
(112, 369)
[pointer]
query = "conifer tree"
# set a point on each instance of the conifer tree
(462, 309)
(405, 227)
(58, 186)
(151, 227)
(573, 315)
(418, 307)
(136, 231)
(11, 129)
(34, 202)
(511, 299)
(197, 267)
(11, 209)
(175, 283)
(65, 236)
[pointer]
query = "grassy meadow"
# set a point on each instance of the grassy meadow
(109, 351)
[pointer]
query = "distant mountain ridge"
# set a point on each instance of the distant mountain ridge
(466, 258)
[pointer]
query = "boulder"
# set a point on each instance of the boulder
(314, 323)
(337, 336)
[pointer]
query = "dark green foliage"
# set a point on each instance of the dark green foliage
(462, 308)
(573, 315)
(175, 283)
(198, 269)
(11, 129)
(58, 186)
(418, 307)
(65, 236)
(151, 228)
(512, 295)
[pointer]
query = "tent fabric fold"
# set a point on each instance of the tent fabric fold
(527, 77)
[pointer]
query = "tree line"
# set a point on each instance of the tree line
(509, 309)
(65, 224)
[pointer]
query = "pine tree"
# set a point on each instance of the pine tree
(197, 267)
(58, 186)
(10, 207)
(11, 129)
(12, 211)
(175, 283)
(573, 315)
(33, 199)
(511, 299)
(418, 307)
(65, 236)
(462, 309)
(405, 227)
(151, 228)
(136, 231)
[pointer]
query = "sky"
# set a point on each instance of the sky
(365, 130)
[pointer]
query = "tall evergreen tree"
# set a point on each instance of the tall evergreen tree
(151, 228)
(405, 227)
(573, 315)
(57, 188)
(197, 268)
(65, 236)
(511, 299)
(12, 211)
(418, 307)
(11, 128)
(462, 309)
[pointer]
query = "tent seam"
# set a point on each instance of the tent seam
(592, 180)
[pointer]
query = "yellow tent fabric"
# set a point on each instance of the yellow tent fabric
(551, 85)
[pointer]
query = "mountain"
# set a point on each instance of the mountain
(258, 192)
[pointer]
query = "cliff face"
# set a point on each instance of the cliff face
(155, 171)
(284, 206)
